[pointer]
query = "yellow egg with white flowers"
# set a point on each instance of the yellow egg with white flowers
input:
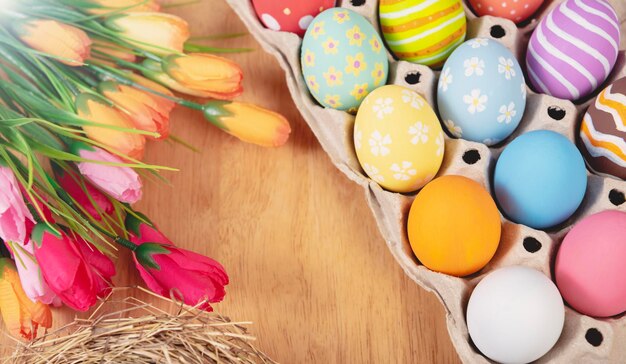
(398, 139)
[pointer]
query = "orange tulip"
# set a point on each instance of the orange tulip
(249, 122)
(158, 33)
(105, 6)
(68, 44)
(151, 85)
(147, 111)
(216, 76)
(21, 315)
(95, 110)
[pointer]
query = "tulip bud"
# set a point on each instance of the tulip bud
(122, 183)
(14, 214)
(215, 76)
(147, 111)
(158, 33)
(21, 316)
(68, 44)
(105, 6)
(113, 50)
(142, 230)
(172, 272)
(78, 279)
(249, 122)
(95, 110)
(94, 202)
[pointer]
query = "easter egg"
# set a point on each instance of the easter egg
(481, 93)
(515, 315)
(540, 179)
(590, 268)
(398, 139)
(289, 15)
(422, 31)
(573, 49)
(514, 10)
(342, 59)
(603, 132)
(454, 226)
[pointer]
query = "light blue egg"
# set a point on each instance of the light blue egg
(481, 92)
(343, 59)
(540, 179)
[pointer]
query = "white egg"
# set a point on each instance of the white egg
(515, 315)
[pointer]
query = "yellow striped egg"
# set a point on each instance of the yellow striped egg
(422, 31)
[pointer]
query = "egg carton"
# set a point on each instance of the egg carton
(584, 339)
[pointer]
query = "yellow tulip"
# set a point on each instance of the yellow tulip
(105, 6)
(147, 111)
(248, 122)
(158, 33)
(214, 76)
(68, 44)
(20, 315)
(95, 110)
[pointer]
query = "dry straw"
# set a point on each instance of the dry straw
(142, 333)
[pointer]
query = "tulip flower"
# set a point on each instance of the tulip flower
(213, 76)
(122, 183)
(70, 45)
(94, 202)
(76, 278)
(147, 111)
(37, 206)
(105, 6)
(249, 122)
(20, 315)
(150, 85)
(101, 265)
(172, 272)
(35, 287)
(142, 230)
(92, 109)
(154, 32)
(14, 214)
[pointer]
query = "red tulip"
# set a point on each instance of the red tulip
(76, 276)
(142, 230)
(94, 202)
(173, 272)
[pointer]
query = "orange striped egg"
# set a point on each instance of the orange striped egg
(422, 31)
(603, 131)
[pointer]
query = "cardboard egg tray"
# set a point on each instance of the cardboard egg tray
(519, 245)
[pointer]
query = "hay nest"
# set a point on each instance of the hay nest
(142, 333)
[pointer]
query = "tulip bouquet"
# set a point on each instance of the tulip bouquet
(83, 85)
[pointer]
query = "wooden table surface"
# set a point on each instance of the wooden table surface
(306, 261)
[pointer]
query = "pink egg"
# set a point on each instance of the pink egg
(590, 267)
(289, 15)
(514, 10)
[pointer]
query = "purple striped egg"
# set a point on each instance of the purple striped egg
(573, 49)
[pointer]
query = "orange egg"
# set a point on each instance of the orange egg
(454, 226)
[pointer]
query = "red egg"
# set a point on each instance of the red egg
(290, 15)
(514, 10)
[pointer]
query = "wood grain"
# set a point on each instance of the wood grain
(306, 261)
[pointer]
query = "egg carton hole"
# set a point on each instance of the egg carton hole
(471, 156)
(497, 32)
(617, 197)
(556, 113)
(594, 337)
(412, 78)
(531, 244)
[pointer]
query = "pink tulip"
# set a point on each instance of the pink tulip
(182, 274)
(122, 183)
(86, 195)
(78, 277)
(173, 272)
(35, 287)
(13, 211)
